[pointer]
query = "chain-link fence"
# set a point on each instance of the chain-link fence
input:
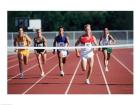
(121, 36)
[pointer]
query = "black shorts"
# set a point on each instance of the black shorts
(39, 51)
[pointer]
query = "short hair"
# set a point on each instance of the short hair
(60, 27)
(85, 26)
(20, 28)
(38, 30)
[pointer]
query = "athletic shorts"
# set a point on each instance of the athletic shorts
(109, 50)
(39, 51)
(85, 56)
(63, 52)
(23, 52)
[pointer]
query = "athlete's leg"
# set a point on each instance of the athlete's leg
(60, 64)
(44, 58)
(84, 64)
(90, 62)
(26, 59)
(40, 63)
(20, 60)
(26, 56)
(105, 59)
(64, 60)
(108, 56)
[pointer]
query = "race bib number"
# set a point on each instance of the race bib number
(105, 41)
(20, 44)
(61, 44)
(40, 45)
(88, 44)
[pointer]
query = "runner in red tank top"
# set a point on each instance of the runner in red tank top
(86, 53)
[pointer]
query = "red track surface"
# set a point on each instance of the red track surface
(119, 79)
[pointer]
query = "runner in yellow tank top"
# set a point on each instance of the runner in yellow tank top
(22, 40)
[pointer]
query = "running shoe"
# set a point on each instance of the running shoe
(62, 73)
(42, 74)
(106, 69)
(21, 76)
(87, 81)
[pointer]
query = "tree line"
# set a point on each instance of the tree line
(75, 20)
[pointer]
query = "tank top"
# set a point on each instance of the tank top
(22, 41)
(105, 40)
(39, 42)
(61, 41)
(85, 41)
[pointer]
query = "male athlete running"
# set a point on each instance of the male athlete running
(106, 39)
(87, 55)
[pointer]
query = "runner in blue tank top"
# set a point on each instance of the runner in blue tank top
(61, 41)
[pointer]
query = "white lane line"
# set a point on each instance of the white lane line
(67, 90)
(13, 66)
(15, 59)
(29, 68)
(12, 56)
(122, 64)
(39, 79)
(12, 60)
(18, 64)
(108, 89)
(23, 72)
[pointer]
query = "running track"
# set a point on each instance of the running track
(119, 79)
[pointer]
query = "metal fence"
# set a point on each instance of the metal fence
(121, 36)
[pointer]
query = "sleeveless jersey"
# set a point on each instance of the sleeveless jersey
(105, 40)
(85, 41)
(39, 43)
(61, 41)
(22, 41)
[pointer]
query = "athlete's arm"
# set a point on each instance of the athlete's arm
(45, 41)
(100, 43)
(68, 41)
(45, 44)
(112, 39)
(15, 43)
(28, 39)
(95, 41)
(35, 46)
(76, 44)
(54, 45)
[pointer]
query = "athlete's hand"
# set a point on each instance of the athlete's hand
(53, 52)
(15, 50)
(99, 49)
(77, 54)
(35, 52)
(43, 52)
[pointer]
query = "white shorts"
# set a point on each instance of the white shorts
(86, 55)
(63, 53)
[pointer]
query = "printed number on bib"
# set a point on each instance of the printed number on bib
(61, 44)
(88, 44)
(20, 44)
(40, 45)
